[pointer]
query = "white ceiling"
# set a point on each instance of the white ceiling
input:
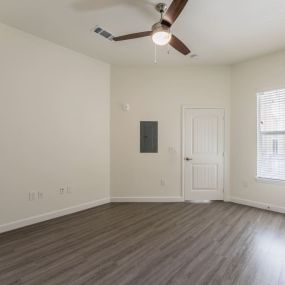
(220, 32)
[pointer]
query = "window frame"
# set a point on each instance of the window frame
(259, 134)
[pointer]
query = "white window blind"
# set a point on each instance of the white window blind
(271, 135)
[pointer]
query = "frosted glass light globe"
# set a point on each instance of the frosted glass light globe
(161, 38)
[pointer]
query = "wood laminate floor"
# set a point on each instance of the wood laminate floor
(149, 244)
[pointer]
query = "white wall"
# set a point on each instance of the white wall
(54, 126)
(248, 78)
(158, 94)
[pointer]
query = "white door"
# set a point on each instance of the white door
(204, 154)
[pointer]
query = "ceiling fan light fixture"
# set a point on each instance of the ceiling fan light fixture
(161, 38)
(161, 35)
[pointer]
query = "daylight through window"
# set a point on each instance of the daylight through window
(271, 135)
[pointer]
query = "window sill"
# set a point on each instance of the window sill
(269, 181)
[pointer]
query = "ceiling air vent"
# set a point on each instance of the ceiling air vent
(100, 31)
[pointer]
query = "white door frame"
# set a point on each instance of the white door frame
(185, 107)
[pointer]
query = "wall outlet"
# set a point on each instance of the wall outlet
(162, 182)
(172, 150)
(61, 191)
(40, 195)
(32, 196)
(68, 189)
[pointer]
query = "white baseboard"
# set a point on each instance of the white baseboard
(51, 215)
(147, 199)
(70, 210)
(259, 205)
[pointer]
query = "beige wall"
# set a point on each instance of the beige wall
(54, 126)
(248, 78)
(158, 94)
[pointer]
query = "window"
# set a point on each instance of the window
(271, 135)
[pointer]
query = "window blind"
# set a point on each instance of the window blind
(271, 135)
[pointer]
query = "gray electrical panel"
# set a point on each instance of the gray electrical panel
(148, 137)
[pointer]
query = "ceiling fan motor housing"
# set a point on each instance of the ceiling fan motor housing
(159, 27)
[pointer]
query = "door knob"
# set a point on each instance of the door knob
(188, 158)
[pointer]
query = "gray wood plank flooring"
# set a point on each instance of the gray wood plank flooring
(149, 243)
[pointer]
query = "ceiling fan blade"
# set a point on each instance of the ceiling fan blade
(178, 45)
(173, 12)
(132, 36)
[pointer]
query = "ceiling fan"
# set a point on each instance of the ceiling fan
(160, 31)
